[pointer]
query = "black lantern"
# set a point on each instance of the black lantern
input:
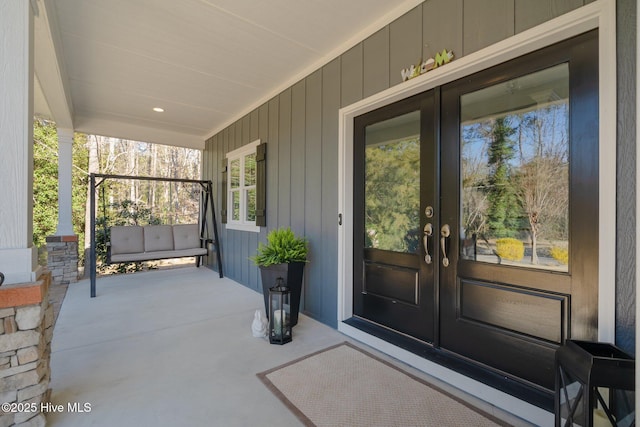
(595, 385)
(279, 313)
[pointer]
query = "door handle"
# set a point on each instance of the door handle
(428, 232)
(445, 232)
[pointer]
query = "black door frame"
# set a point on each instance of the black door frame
(599, 15)
(529, 392)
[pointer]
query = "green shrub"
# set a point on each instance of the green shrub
(560, 254)
(511, 249)
(282, 247)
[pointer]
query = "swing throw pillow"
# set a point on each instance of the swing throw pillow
(158, 238)
(126, 240)
(186, 236)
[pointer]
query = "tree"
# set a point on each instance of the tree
(474, 171)
(79, 183)
(92, 167)
(540, 182)
(120, 202)
(45, 180)
(392, 202)
(502, 218)
(108, 155)
(543, 178)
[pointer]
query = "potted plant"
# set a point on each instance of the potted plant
(284, 256)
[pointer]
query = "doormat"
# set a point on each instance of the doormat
(346, 386)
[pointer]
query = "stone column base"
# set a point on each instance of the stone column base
(26, 329)
(62, 259)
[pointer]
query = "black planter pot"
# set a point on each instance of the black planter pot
(292, 275)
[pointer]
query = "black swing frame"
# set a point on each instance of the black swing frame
(206, 203)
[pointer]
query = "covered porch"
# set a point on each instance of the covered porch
(174, 347)
(218, 76)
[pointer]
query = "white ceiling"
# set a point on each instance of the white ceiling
(206, 62)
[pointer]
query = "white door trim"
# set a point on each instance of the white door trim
(599, 14)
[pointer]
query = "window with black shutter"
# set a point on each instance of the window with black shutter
(244, 181)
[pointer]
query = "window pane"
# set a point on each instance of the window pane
(235, 205)
(251, 204)
(250, 170)
(392, 184)
(235, 173)
(515, 171)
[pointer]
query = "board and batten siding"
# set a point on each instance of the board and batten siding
(300, 127)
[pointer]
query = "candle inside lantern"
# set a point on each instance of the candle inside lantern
(278, 322)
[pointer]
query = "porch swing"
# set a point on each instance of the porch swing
(135, 243)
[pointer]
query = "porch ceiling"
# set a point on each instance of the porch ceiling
(206, 62)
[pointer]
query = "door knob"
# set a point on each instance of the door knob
(428, 232)
(445, 232)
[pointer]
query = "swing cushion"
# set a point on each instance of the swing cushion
(135, 243)
(158, 238)
(127, 239)
(186, 236)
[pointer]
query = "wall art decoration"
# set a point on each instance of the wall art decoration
(422, 67)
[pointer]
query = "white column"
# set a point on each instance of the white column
(18, 256)
(65, 163)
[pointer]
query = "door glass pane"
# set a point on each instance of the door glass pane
(392, 184)
(515, 171)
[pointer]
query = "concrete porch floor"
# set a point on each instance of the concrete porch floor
(174, 347)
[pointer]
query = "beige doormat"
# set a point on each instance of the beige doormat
(346, 386)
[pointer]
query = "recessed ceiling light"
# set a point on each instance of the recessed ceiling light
(158, 109)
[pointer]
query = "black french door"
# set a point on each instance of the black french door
(476, 212)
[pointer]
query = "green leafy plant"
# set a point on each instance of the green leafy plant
(282, 247)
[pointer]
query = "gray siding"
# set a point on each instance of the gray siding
(375, 73)
(329, 250)
(487, 22)
(298, 178)
(351, 76)
(530, 13)
(273, 164)
(405, 43)
(300, 126)
(284, 160)
(441, 33)
(313, 195)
